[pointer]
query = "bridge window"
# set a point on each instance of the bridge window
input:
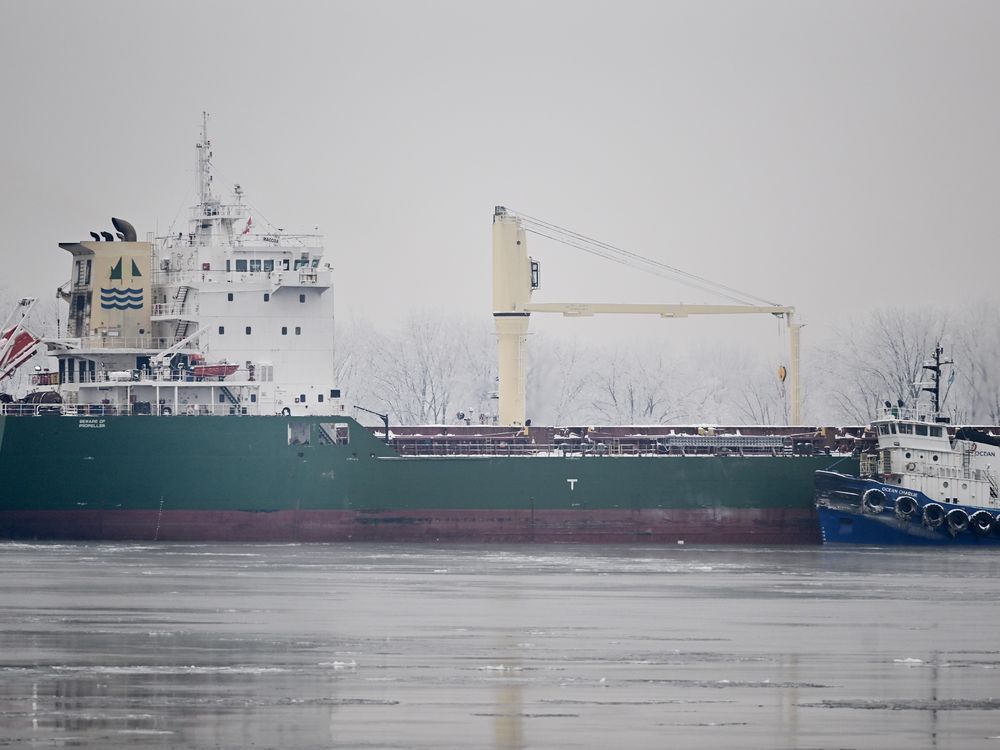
(935, 431)
(255, 265)
(921, 429)
(241, 264)
(905, 429)
(269, 265)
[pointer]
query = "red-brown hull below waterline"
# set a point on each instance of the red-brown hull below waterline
(692, 526)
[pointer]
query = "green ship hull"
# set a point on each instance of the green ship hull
(265, 478)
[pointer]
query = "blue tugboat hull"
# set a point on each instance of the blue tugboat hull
(845, 519)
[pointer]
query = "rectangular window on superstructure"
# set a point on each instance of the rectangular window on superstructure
(299, 263)
(298, 330)
(241, 264)
(284, 264)
(284, 330)
(302, 298)
(269, 265)
(87, 282)
(320, 398)
(248, 330)
(229, 265)
(229, 297)
(935, 431)
(222, 330)
(267, 297)
(905, 429)
(921, 429)
(255, 265)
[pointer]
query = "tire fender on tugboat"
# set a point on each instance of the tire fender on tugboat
(958, 521)
(906, 506)
(873, 501)
(981, 522)
(933, 515)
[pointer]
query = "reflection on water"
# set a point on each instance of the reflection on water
(393, 646)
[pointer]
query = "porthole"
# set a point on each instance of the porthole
(944, 484)
(934, 458)
(908, 454)
(965, 486)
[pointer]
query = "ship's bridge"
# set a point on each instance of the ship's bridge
(916, 428)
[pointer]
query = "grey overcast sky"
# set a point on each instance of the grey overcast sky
(834, 156)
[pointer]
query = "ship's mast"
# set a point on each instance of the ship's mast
(935, 367)
(205, 163)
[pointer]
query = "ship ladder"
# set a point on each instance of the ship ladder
(180, 332)
(325, 438)
(994, 489)
(229, 396)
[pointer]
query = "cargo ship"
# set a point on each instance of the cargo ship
(924, 483)
(193, 397)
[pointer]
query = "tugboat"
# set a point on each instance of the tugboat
(927, 483)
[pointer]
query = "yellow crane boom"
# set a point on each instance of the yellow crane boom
(515, 277)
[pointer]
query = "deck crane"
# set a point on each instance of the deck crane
(516, 276)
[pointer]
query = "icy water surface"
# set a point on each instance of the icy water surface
(392, 646)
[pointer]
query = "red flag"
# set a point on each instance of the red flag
(246, 229)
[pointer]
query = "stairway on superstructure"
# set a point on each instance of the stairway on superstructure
(181, 332)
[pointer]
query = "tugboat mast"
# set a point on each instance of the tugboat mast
(935, 367)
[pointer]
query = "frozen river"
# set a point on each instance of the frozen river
(393, 646)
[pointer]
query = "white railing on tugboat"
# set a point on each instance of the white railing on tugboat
(919, 413)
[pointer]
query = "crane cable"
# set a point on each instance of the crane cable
(625, 257)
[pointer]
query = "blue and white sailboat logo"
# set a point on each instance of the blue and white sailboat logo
(122, 297)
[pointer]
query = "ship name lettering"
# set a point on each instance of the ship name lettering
(572, 484)
(986, 453)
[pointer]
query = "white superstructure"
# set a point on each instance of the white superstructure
(225, 318)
